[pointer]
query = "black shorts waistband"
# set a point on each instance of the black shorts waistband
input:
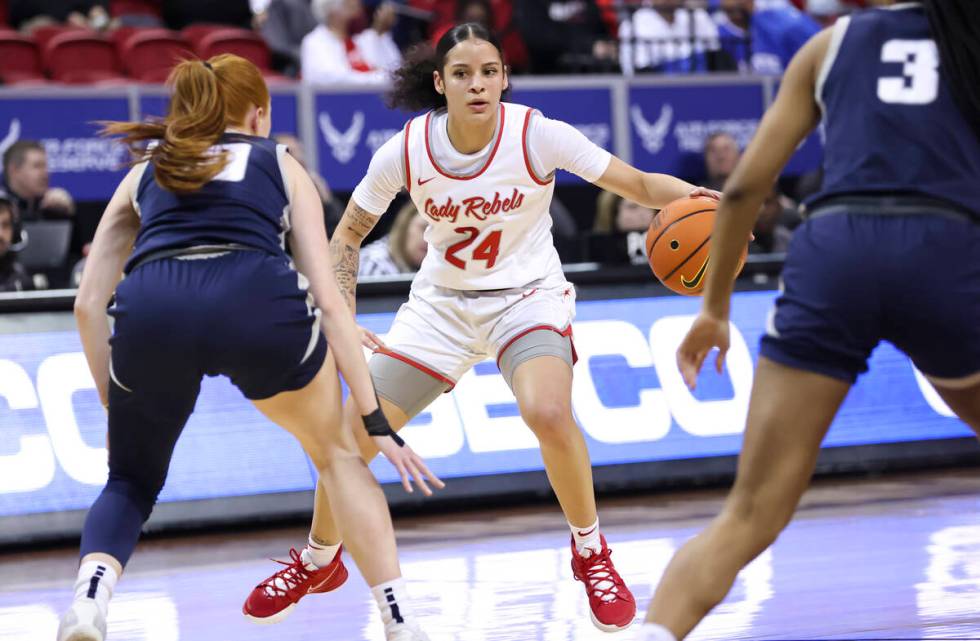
(197, 250)
(903, 205)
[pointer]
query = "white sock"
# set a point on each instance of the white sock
(587, 539)
(96, 581)
(392, 600)
(655, 632)
(318, 555)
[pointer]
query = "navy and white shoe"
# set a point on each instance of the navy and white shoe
(82, 622)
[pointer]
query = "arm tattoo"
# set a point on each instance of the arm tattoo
(346, 249)
(358, 222)
(346, 261)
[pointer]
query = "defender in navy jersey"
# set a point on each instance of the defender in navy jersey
(209, 290)
(890, 251)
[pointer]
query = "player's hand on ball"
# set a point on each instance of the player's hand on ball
(705, 334)
(410, 465)
(705, 192)
(370, 340)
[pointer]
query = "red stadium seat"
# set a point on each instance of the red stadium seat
(81, 57)
(196, 32)
(244, 43)
(43, 35)
(148, 55)
(240, 42)
(119, 35)
(21, 59)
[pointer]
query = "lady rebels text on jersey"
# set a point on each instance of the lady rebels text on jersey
(489, 226)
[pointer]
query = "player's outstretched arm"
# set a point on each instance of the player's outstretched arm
(345, 247)
(792, 117)
(649, 190)
(112, 245)
(312, 255)
(309, 243)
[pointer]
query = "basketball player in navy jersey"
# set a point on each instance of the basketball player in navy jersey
(209, 290)
(890, 251)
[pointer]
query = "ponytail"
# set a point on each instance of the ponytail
(954, 25)
(208, 97)
(414, 88)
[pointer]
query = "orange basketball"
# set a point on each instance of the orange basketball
(677, 244)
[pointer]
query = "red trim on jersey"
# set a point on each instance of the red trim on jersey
(419, 366)
(527, 158)
(567, 333)
(408, 166)
(493, 152)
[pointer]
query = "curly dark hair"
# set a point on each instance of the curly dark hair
(413, 87)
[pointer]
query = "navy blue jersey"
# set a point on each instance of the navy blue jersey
(246, 204)
(891, 122)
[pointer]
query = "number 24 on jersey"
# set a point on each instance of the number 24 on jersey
(486, 251)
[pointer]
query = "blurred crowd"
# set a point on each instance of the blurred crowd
(37, 230)
(362, 41)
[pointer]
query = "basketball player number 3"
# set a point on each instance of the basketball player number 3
(919, 82)
(486, 250)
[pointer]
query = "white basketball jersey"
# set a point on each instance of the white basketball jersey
(490, 229)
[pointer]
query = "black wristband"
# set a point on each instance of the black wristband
(377, 424)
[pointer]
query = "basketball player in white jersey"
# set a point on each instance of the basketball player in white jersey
(482, 173)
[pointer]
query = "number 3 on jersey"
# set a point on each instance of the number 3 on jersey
(486, 251)
(919, 82)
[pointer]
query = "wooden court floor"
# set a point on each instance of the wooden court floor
(896, 557)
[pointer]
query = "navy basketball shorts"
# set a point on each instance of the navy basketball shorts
(852, 280)
(243, 314)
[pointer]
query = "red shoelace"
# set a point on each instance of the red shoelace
(599, 570)
(287, 578)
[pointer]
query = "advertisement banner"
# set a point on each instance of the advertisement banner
(627, 396)
(79, 160)
(350, 127)
(669, 124)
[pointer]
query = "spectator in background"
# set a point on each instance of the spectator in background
(778, 218)
(13, 276)
(628, 222)
(616, 215)
(376, 44)
(178, 14)
(565, 36)
(135, 13)
(332, 209)
(328, 54)
(399, 252)
(721, 154)
(284, 24)
(763, 35)
(25, 179)
(496, 15)
(667, 37)
(28, 15)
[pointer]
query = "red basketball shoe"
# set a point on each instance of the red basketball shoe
(611, 602)
(272, 600)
